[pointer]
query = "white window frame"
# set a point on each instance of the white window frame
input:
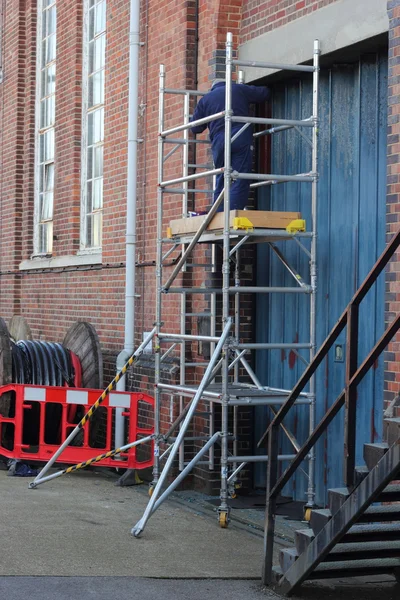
(85, 248)
(36, 229)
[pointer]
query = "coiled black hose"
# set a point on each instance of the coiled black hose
(41, 363)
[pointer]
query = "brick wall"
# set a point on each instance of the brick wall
(260, 16)
(53, 300)
(392, 306)
(13, 126)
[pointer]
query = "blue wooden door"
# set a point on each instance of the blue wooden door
(351, 235)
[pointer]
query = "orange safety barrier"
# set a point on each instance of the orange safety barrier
(39, 419)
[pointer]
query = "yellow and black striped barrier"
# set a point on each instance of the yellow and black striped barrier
(92, 461)
(39, 478)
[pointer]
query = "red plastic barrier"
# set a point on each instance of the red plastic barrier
(40, 420)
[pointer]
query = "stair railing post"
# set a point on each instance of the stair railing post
(350, 423)
(270, 509)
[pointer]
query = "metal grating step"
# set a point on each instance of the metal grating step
(337, 496)
(365, 550)
(375, 514)
(345, 553)
(372, 532)
(359, 568)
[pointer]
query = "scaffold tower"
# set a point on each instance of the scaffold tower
(228, 380)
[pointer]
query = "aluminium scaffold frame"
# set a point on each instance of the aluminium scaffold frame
(226, 394)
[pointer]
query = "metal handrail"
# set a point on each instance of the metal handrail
(354, 375)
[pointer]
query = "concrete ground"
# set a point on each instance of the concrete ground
(80, 525)
(70, 538)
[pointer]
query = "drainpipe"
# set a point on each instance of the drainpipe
(130, 273)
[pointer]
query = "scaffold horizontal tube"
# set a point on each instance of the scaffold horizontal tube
(281, 457)
(184, 92)
(203, 121)
(187, 391)
(168, 190)
(269, 121)
(270, 290)
(277, 66)
(241, 290)
(273, 130)
(283, 391)
(215, 236)
(267, 177)
(170, 337)
(190, 177)
(183, 141)
(272, 346)
(266, 401)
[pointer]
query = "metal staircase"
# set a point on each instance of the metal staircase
(359, 532)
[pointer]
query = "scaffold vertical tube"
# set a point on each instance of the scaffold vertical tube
(213, 330)
(157, 361)
(185, 173)
(223, 508)
(313, 269)
(236, 371)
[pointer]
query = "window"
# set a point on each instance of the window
(46, 112)
(93, 107)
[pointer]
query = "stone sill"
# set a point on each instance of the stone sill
(58, 262)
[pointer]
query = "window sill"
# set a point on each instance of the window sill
(60, 261)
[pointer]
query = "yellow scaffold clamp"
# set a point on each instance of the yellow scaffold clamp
(242, 223)
(296, 225)
(169, 233)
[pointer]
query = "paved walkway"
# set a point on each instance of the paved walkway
(80, 525)
(70, 539)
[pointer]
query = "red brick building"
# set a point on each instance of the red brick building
(64, 130)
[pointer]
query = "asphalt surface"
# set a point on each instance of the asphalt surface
(80, 525)
(126, 588)
(70, 539)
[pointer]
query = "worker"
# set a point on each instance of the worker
(242, 148)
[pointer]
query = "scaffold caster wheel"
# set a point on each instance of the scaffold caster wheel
(307, 513)
(223, 519)
(151, 490)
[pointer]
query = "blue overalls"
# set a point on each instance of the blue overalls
(242, 151)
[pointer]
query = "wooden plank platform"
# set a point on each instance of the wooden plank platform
(263, 219)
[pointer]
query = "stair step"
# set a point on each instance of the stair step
(302, 539)
(392, 427)
(391, 493)
(337, 497)
(356, 568)
(360, 474)
(367, 537)
(373, 454)
(287, 557)
(319, 519)
(363, 551)
(374, 532)
(346, 553)
(374, 514)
